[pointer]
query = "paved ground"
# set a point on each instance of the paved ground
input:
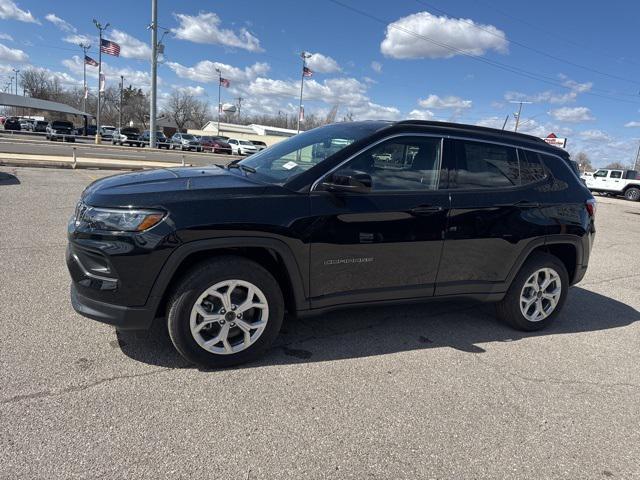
(32, 145)
(430, 391)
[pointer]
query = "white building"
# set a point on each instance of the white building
(264, 133)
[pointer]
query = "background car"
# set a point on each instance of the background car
(62, 130)
(215, 145)
(127, 135)
(26, 124)
(12, 123)
(90, 131)
(260, 145)
(161, 139)
(40, 126)
(106, 132)
(185, 141)
(242, 147)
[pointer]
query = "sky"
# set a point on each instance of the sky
(463, 61)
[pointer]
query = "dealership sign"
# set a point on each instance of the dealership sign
(552, 139)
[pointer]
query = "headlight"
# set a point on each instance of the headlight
(121, 220)
(53, 131)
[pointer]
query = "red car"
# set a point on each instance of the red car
(215, 145)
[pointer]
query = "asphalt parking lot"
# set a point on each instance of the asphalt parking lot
(438, 390)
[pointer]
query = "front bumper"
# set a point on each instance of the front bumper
(123, 318)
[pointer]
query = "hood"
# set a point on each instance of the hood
(156, 188)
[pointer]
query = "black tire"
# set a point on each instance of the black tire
(508, 309)
(200, 278)
(633, 194)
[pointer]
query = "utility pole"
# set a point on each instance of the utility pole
(304, 56)
(519, 112)
(239, 99)
(85, 49)
(101, 29)
(636, 164)
(219, 104)
(16, 72)
(120, 109)
(154, 73)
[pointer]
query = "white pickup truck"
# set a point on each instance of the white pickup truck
(615, 182)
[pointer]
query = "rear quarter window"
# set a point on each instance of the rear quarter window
(531, 167)
(482, 165)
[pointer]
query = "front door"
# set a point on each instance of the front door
(384, 244)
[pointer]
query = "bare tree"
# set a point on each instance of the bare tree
(36, 83)
(135, 106)
(584, 162)
(184, 109)
(617, 166)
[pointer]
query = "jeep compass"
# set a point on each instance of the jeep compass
(345, 215)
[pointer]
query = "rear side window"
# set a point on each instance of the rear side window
(616, 174)
(485, 165)
(531, 167)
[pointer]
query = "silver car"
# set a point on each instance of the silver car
(185, 141)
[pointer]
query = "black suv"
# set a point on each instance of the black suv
(349, 214)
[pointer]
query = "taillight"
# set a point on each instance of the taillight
(591, 207)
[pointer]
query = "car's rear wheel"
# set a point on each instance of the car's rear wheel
(632, 194)
(225, 312)
(536, 295)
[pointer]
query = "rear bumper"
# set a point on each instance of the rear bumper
(124, 318)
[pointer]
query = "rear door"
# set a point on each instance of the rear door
(615, 181)
(495, 213)
(384, 244)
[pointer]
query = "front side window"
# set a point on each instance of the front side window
(600, 174)
(485, 165)
(616, 174)
(400, 164)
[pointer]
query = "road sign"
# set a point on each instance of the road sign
(552, 139)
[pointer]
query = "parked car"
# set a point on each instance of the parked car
(40, 126)
(161, 139)
(348, 214)
(624, 183)
(214, 145)
(259, 144)
(106, 132)
(242, 147)
(185, 141)
(90, 131)
(127, 135)
(61, 130)
(26, 124)
(12, 123)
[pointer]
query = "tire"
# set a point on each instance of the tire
(191, 291)
(633, 194)
(509, 309)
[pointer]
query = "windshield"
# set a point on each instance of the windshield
(289, 158)
(186, 136)
(61, 124)
(245, 142)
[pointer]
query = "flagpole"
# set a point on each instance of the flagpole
(100, 28)
(85, 49)
(304, 56)
(219, 105)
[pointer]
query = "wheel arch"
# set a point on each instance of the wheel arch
(272, 254)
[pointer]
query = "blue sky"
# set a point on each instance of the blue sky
(431, 59)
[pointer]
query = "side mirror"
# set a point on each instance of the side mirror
(348, 181)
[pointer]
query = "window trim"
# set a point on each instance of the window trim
(442, 137)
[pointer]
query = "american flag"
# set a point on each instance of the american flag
(90, 61)
(307, 72)
(224, 82)
(109, 47)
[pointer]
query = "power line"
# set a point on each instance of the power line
(533, 49)
(493, 63)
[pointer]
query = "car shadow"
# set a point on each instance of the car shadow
(365, 332)
(8, 179)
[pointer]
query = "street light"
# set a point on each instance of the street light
(100, 29)
(16, 72)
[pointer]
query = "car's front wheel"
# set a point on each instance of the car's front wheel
(536, 295)
(225, 312)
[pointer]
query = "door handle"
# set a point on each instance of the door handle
(426, 210)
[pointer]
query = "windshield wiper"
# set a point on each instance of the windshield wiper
(244, 168)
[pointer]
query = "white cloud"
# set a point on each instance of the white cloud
(632, 124)
(191, 90)
(595, 135)
(376, 67)
(130, 47)
(6, 36)
(205, 28)
(528, 126)
(137, 78)
(572, 114)
(421, 115)
(322, 63)
(60, 23)
(12, 54)
(423, 35)
(10, 11)
(553, 97)
(436, 102)
(78, 39)
(205, 71)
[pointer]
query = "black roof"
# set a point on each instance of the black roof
(485, 132)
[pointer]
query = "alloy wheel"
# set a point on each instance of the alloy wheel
(540, 294)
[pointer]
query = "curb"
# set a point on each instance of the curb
(87, 163)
